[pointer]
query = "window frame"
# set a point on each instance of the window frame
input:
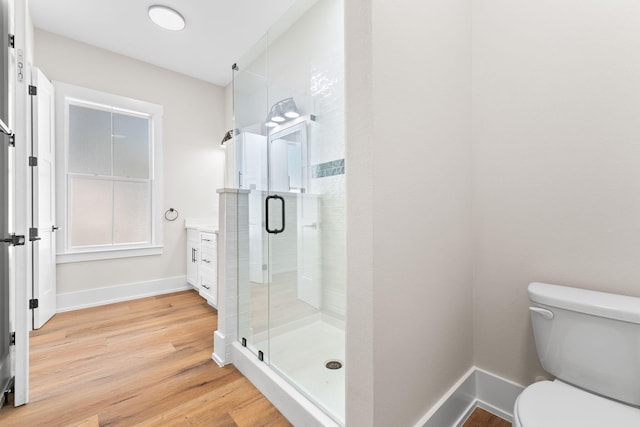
(68, 94)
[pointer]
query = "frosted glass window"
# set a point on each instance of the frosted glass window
(89, 141)
(91, 214)
(113, 175)
(114, 210)
(130, 146)
(131, 212)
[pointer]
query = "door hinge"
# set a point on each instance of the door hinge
(12, 40)
(14, 240)
(33, 234)
(12, 338)
(33, 303)
(12, 139)
(33, 90)
(33, 161)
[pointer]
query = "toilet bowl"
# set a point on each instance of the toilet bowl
(556, 404)
(590, 342)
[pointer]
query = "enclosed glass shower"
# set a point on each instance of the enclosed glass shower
(289, 159)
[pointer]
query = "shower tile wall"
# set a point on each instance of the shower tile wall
(326, 156)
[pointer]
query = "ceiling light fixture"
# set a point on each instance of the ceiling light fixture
(282, 111)
(167, 18)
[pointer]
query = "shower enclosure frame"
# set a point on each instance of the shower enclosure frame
(300, 58)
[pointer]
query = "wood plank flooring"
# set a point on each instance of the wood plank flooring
(139, 363)
(144, 363)
(482, 418)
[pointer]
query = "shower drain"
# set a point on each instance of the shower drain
(333, 364)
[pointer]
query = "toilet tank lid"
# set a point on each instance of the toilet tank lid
(601, 304)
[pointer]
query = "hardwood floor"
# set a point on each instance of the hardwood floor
(144, 363)
(482, 418)
(139, 363)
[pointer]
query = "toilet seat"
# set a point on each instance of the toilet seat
(556, 404)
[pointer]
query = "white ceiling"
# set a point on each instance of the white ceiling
(217, 34)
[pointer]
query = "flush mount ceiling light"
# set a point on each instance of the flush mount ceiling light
(166, 18)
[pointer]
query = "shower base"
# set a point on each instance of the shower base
(297, 365)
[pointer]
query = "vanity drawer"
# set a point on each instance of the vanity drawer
(208, 257)
(207, 239)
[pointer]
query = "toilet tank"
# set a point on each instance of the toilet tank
(589, 339)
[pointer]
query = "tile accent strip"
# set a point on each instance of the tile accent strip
(332, 168)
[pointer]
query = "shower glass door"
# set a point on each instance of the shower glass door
(250, 136)
(289, 151)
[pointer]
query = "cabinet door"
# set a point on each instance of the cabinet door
(193, 256)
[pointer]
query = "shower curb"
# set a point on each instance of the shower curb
(289, 401)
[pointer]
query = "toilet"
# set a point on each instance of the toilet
(590, 341)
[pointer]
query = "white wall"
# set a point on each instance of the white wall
(359, 190)
(556, 102)
(193, 159)
(416, 213)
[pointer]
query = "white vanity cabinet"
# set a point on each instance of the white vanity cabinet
(208, 268)
(202, 263)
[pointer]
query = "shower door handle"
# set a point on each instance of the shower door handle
(266, 215)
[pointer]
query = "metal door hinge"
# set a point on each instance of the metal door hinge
(33, 303)
(14, 240)
(33, 161)
(12, 40)
(260, 355)
(33, 234)
(33, 90)
(12, 139)
(244, 342)
(12, 338)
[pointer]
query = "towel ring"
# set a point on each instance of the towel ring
(171, 214)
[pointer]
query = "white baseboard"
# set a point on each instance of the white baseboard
(496, 394)
(101, 296)
(219, 349)
(476, 388)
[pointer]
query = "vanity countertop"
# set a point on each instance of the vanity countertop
(205, 228)
(206, 225)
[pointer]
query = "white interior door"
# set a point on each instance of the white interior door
(5, 305)
(44, 219)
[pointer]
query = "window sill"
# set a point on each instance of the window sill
(96, 255)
